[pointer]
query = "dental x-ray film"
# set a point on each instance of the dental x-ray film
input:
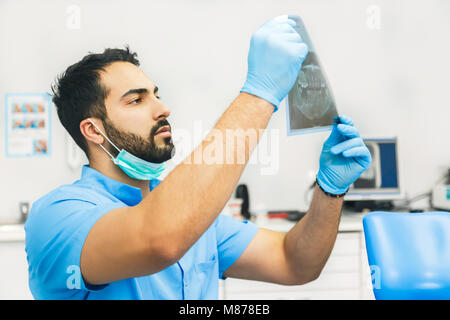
(310, 105)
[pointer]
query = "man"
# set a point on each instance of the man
(117, 234)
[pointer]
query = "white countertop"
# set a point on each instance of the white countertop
(350, 222)
(12, 232)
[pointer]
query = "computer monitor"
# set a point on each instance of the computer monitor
(381, 180)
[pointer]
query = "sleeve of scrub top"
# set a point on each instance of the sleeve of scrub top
(55, 235)
(233, 237)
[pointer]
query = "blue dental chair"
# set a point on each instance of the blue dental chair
(409, 255)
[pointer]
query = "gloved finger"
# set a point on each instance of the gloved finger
(347, 144)
(283, 28)
(299, 50)
(292, 23)
(291, 37)
(346, 120)
(348, 130)
(285, 19)
(361, 151)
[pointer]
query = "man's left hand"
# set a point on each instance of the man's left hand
(344, 158)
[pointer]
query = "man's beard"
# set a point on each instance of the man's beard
(145, 149)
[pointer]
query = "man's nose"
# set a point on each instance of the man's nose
(160, 111)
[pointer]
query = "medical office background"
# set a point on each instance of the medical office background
(386, 61)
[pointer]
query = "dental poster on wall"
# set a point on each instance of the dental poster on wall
(310, 103)
(28, 124)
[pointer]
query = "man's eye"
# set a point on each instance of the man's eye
(136, 101)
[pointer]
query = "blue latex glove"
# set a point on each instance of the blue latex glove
(274, 60)
(344, 157)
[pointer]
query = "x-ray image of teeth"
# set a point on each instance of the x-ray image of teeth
(310, 103)
(312, 97)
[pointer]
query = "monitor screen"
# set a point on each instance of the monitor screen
(381, 180)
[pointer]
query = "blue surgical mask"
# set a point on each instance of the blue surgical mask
(133, 166)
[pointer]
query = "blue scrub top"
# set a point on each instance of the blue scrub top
(59, 222)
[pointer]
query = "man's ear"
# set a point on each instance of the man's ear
(90, 132)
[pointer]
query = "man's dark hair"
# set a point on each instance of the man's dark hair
(78, 93)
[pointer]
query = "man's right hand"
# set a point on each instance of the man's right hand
(274, 60)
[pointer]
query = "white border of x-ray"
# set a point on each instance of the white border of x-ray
(296, 132)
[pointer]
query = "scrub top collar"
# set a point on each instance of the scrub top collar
(129, 195)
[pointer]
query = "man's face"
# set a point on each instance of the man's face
(136, 118)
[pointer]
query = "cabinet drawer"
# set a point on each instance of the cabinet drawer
(250, 286)
(347, 243)
(13, 271)
(335, 281)
(330, 281)
(297, 295)
(341, 264)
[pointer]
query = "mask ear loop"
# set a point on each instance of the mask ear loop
(112, 157)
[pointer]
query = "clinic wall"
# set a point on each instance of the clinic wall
(391, 79)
